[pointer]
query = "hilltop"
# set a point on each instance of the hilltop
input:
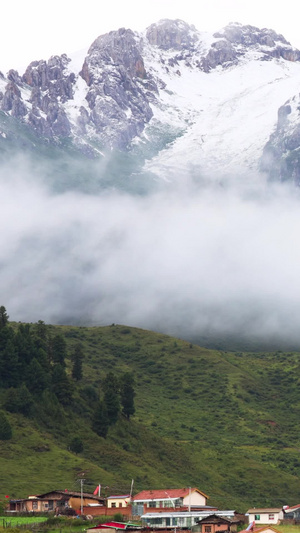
(226, 422)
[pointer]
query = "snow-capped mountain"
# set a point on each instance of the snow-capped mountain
(180, 100)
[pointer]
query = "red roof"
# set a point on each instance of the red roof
(165, 494)
(259, 529)
(287, 509)
(116, 525)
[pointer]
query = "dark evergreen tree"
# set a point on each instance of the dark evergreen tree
(49, 409)
(3, 317)
(24, 346)
(77, 358)
(61, 385)
(6, 334)
(40, 330)
(10, 368)
(18, 400)
(58, 350)
(40, 336)
(112, 397)
(42, 358)
(37, 379)
(100, 422)
(127, 394)
(76, 445)
(5, 427)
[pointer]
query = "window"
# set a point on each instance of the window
(120, 504)
(271, 516)
(152, 504)
(34, 506)
(257, 517)
(207, 529)
(113, 504)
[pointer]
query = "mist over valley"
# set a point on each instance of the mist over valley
(157, 191)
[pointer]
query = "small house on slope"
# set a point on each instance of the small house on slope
(168, 498)
(118, 501)
(217, 524)
(292, 513)
(57, 501)
(272, 515)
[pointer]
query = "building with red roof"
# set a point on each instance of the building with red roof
(186, 497)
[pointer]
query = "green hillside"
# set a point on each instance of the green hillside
(226, 422)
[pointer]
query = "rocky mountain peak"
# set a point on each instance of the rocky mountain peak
(266, 41)
(172, 34)
(127, 78)
(119, 47)
(250, 35)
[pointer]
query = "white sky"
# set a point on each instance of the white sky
(31, 29)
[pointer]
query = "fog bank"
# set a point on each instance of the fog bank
(189, 260)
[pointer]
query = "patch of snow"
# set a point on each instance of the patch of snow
(228, 114)
(77, 60)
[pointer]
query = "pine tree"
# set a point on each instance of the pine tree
(100, 423)
(3, 317)
(10, 367)
(18, 400)
(112, 398)
(61, 385)
(127, 394)
(58, 350)
(5, 427)
(76, 445)
(41, 330)
(77, 358)
(37, 379)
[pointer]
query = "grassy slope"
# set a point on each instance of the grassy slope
(225, 422)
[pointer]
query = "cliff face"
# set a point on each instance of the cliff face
(281, 155)
(123, 94)
(118, 104)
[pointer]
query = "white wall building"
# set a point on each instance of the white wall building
(265, 516)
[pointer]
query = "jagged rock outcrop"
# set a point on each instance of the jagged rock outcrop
(123, 88)
(118, 97)
(38, 97)
(237, 40)
(172, 34)
(12, 101)
(221, 53)
(51, 76)
(281, 155)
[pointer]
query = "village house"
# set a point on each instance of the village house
(118, 501)
(273, 515)
(57, 501)
(292, 513)
(186, 498)
(216, 524)
(180, 519)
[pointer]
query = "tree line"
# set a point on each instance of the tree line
(33, 369)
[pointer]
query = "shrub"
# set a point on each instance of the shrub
(5, 428)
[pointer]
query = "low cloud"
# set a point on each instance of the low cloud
(189, 260)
